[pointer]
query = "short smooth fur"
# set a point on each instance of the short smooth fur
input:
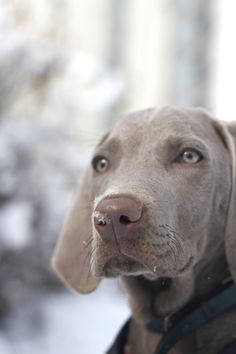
(184, 244)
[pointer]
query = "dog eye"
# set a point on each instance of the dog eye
(190, 156)
(100, 163)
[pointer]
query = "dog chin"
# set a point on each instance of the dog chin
(124, 266)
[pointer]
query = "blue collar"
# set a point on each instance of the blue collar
(184, 322)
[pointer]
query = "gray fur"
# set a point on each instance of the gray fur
(185, 245)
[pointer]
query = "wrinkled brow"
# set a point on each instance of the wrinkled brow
(111, 145)
(177, 141)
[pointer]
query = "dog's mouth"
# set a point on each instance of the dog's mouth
(131, 264)
(124, 265)
(143, 254)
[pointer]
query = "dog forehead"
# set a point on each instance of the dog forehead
(154, 124)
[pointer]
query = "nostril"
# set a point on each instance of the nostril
(120, 211)
(125, 220)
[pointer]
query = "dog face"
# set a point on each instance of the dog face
(158, 189)
(157, 194)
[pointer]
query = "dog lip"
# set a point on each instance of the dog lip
(153, 272)
(152, 269)
(122, 265)
(187, 265)
(124, 257)
(123, 261)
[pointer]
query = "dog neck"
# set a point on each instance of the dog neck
(166, 296)
(208, 278)
(211, 273)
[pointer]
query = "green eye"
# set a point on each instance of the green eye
(190, 156)
(100, 163)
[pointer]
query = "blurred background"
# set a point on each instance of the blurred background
(68, 70)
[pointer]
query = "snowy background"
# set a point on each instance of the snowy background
(68, 69)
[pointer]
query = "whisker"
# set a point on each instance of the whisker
(87, 262)
(88, 243)
(171, 246)
(91, 259)
(174, 242)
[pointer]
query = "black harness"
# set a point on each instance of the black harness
(182, 323)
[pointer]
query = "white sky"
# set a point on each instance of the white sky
(224, 61)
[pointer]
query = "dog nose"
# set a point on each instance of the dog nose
(117, 215)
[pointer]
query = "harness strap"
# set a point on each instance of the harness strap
(183, 325)
(120, 342)
(205, 313)
(230, 348)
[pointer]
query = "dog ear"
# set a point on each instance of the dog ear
(72, 256)
(228, 134)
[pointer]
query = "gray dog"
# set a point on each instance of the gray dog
(157, 207)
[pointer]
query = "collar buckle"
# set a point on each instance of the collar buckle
(167, 322)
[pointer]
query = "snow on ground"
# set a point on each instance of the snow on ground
(73, 324)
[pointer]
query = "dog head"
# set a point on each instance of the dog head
(161, 184)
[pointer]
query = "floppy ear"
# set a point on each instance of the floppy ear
(72, 256)
(228, 134)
